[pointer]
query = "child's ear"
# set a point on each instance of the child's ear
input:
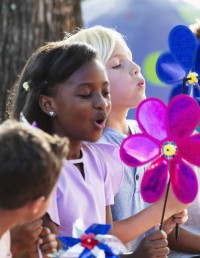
(47, 104)
(36, 205)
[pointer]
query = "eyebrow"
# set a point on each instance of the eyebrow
(85, 84)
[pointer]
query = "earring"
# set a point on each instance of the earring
(51, 113)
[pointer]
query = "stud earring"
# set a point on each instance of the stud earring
(51, 113)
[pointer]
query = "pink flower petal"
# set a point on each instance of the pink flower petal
(154, 181)
(189, 149)
(183, 180)
(183, 116)
(151, 117)
(139, 149)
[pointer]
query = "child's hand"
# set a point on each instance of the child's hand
(24, 236)
(179, 218)
(153, 245)
(47, 242)
(174, 206)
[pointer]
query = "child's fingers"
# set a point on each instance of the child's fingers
(161, 252)
(32, 230)
(47, 241)
(48, 238)
(158, 248)
(155, 245)
(33, 225)
(157, 227)
(45, 231)
(160, 243)
(180, 221)
(156, 235)
(184, 213)
(181, 217)
(48, 249)
(36, 233)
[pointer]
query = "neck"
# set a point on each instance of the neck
(74, 149)
(117, 121)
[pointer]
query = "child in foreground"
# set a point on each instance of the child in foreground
(30, 164)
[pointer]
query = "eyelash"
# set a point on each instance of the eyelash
(105, 94)
(85, 96)
(117, 66)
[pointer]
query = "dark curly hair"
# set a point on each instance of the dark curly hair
(48, 66)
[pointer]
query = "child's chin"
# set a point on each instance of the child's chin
(94, 139)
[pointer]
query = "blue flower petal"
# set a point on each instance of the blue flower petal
(183, 44)
(104, 247)
(68, 241)
(197, 61)
(168, 70)
(101, 229)
(108, 251)
(86, 254)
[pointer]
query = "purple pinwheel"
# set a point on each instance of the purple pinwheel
(167, 142)
(181, 63)
(90, 243)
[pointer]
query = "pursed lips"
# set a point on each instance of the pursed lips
(141, 84)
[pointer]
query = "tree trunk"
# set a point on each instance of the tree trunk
(24, 26)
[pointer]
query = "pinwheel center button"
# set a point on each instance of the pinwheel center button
(192, 78)
(169, 149)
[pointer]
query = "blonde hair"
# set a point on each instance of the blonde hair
(101, 38)
(195, 28)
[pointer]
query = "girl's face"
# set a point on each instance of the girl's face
(127, 85)
(83, 103)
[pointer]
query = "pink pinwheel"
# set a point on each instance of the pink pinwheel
(166, 141)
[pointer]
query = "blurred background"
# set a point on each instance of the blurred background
(28, 24)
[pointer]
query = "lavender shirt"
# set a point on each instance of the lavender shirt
(76, 197)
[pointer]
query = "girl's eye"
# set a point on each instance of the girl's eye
(116, 66)
(85, 96)
(106, 93)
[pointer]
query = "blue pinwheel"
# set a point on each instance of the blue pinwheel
(182, 63)
(93, 242)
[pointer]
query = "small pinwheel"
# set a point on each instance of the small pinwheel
(166, 141)
(93, 242)
(181, 63)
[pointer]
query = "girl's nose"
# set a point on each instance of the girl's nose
(135, 69)
(101, 102)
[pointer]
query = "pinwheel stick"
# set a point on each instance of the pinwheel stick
(164, 207)
(185, 79)
(163, 213)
